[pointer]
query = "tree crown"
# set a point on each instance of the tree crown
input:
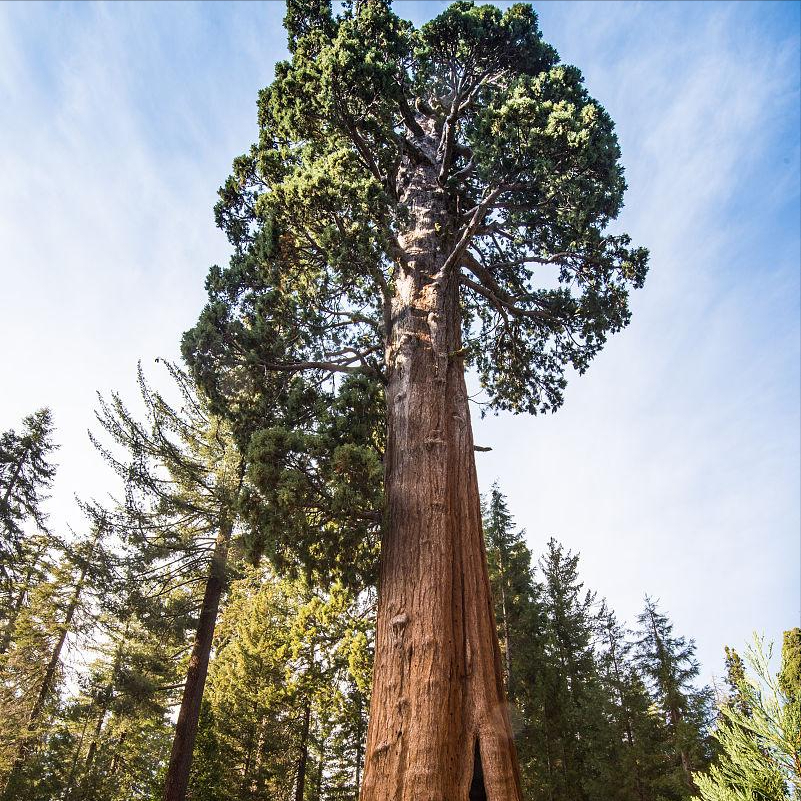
(525, 163)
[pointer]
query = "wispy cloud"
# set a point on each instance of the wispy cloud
(673, 466)
(119, 123)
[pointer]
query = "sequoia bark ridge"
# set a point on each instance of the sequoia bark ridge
(438, 687)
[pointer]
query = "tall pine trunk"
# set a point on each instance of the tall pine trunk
(189, 714)
(439, 725)
(303, 757)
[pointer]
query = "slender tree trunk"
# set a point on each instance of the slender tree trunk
(437, 684)
(115, 762)
(506, 654)
(300, 784)
(46, 687)
(189, 714)
(320, 769)
(246, 782)
(92, 750)
(76, 755)
(258, 760)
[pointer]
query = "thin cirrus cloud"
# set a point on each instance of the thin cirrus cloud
(673, 466)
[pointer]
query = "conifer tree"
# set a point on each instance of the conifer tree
(759, 734)
(640, 764)
(184, 479)
(120, 748)
(522, 629)
(668, 663)
(419, 201)
(576, 724)
(108, 742)
(735, 678)
(35, 663)
(285, 716)
(26, 473)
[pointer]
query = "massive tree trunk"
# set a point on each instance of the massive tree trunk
(189, 714)
(439, 726)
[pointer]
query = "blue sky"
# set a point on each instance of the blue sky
(673, 466)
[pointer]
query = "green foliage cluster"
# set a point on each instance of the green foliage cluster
(758, 733)
(315, 494)
(284, 651)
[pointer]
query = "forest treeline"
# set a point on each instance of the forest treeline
(166, 602)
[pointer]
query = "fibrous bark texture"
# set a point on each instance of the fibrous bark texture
(439, 726)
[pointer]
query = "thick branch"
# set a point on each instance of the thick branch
(503, 303)
(471, 228)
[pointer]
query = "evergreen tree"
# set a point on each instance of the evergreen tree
(108, 741)
(124, 701)
(759, 735)
(735, 678)
(577, 730)
(285, 716)
(184, 479)
(669, 666)
(385, 225)
(34, 665)
(522, 631)
(641, 759)
(26, 473)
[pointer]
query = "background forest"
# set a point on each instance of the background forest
(98, 626)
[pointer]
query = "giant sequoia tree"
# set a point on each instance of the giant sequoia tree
(419, 201)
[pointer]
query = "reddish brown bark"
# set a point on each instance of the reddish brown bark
(186, 727)
(439, 726)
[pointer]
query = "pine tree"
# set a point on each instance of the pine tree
(286, 705)
(522, 630)
(184, 479)
(641, 759)
(735, 678)
(576, 726)
(34, 666)
(668, 663)
(385, 225)
(26, 473)
(125, 698)
(107, 742)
